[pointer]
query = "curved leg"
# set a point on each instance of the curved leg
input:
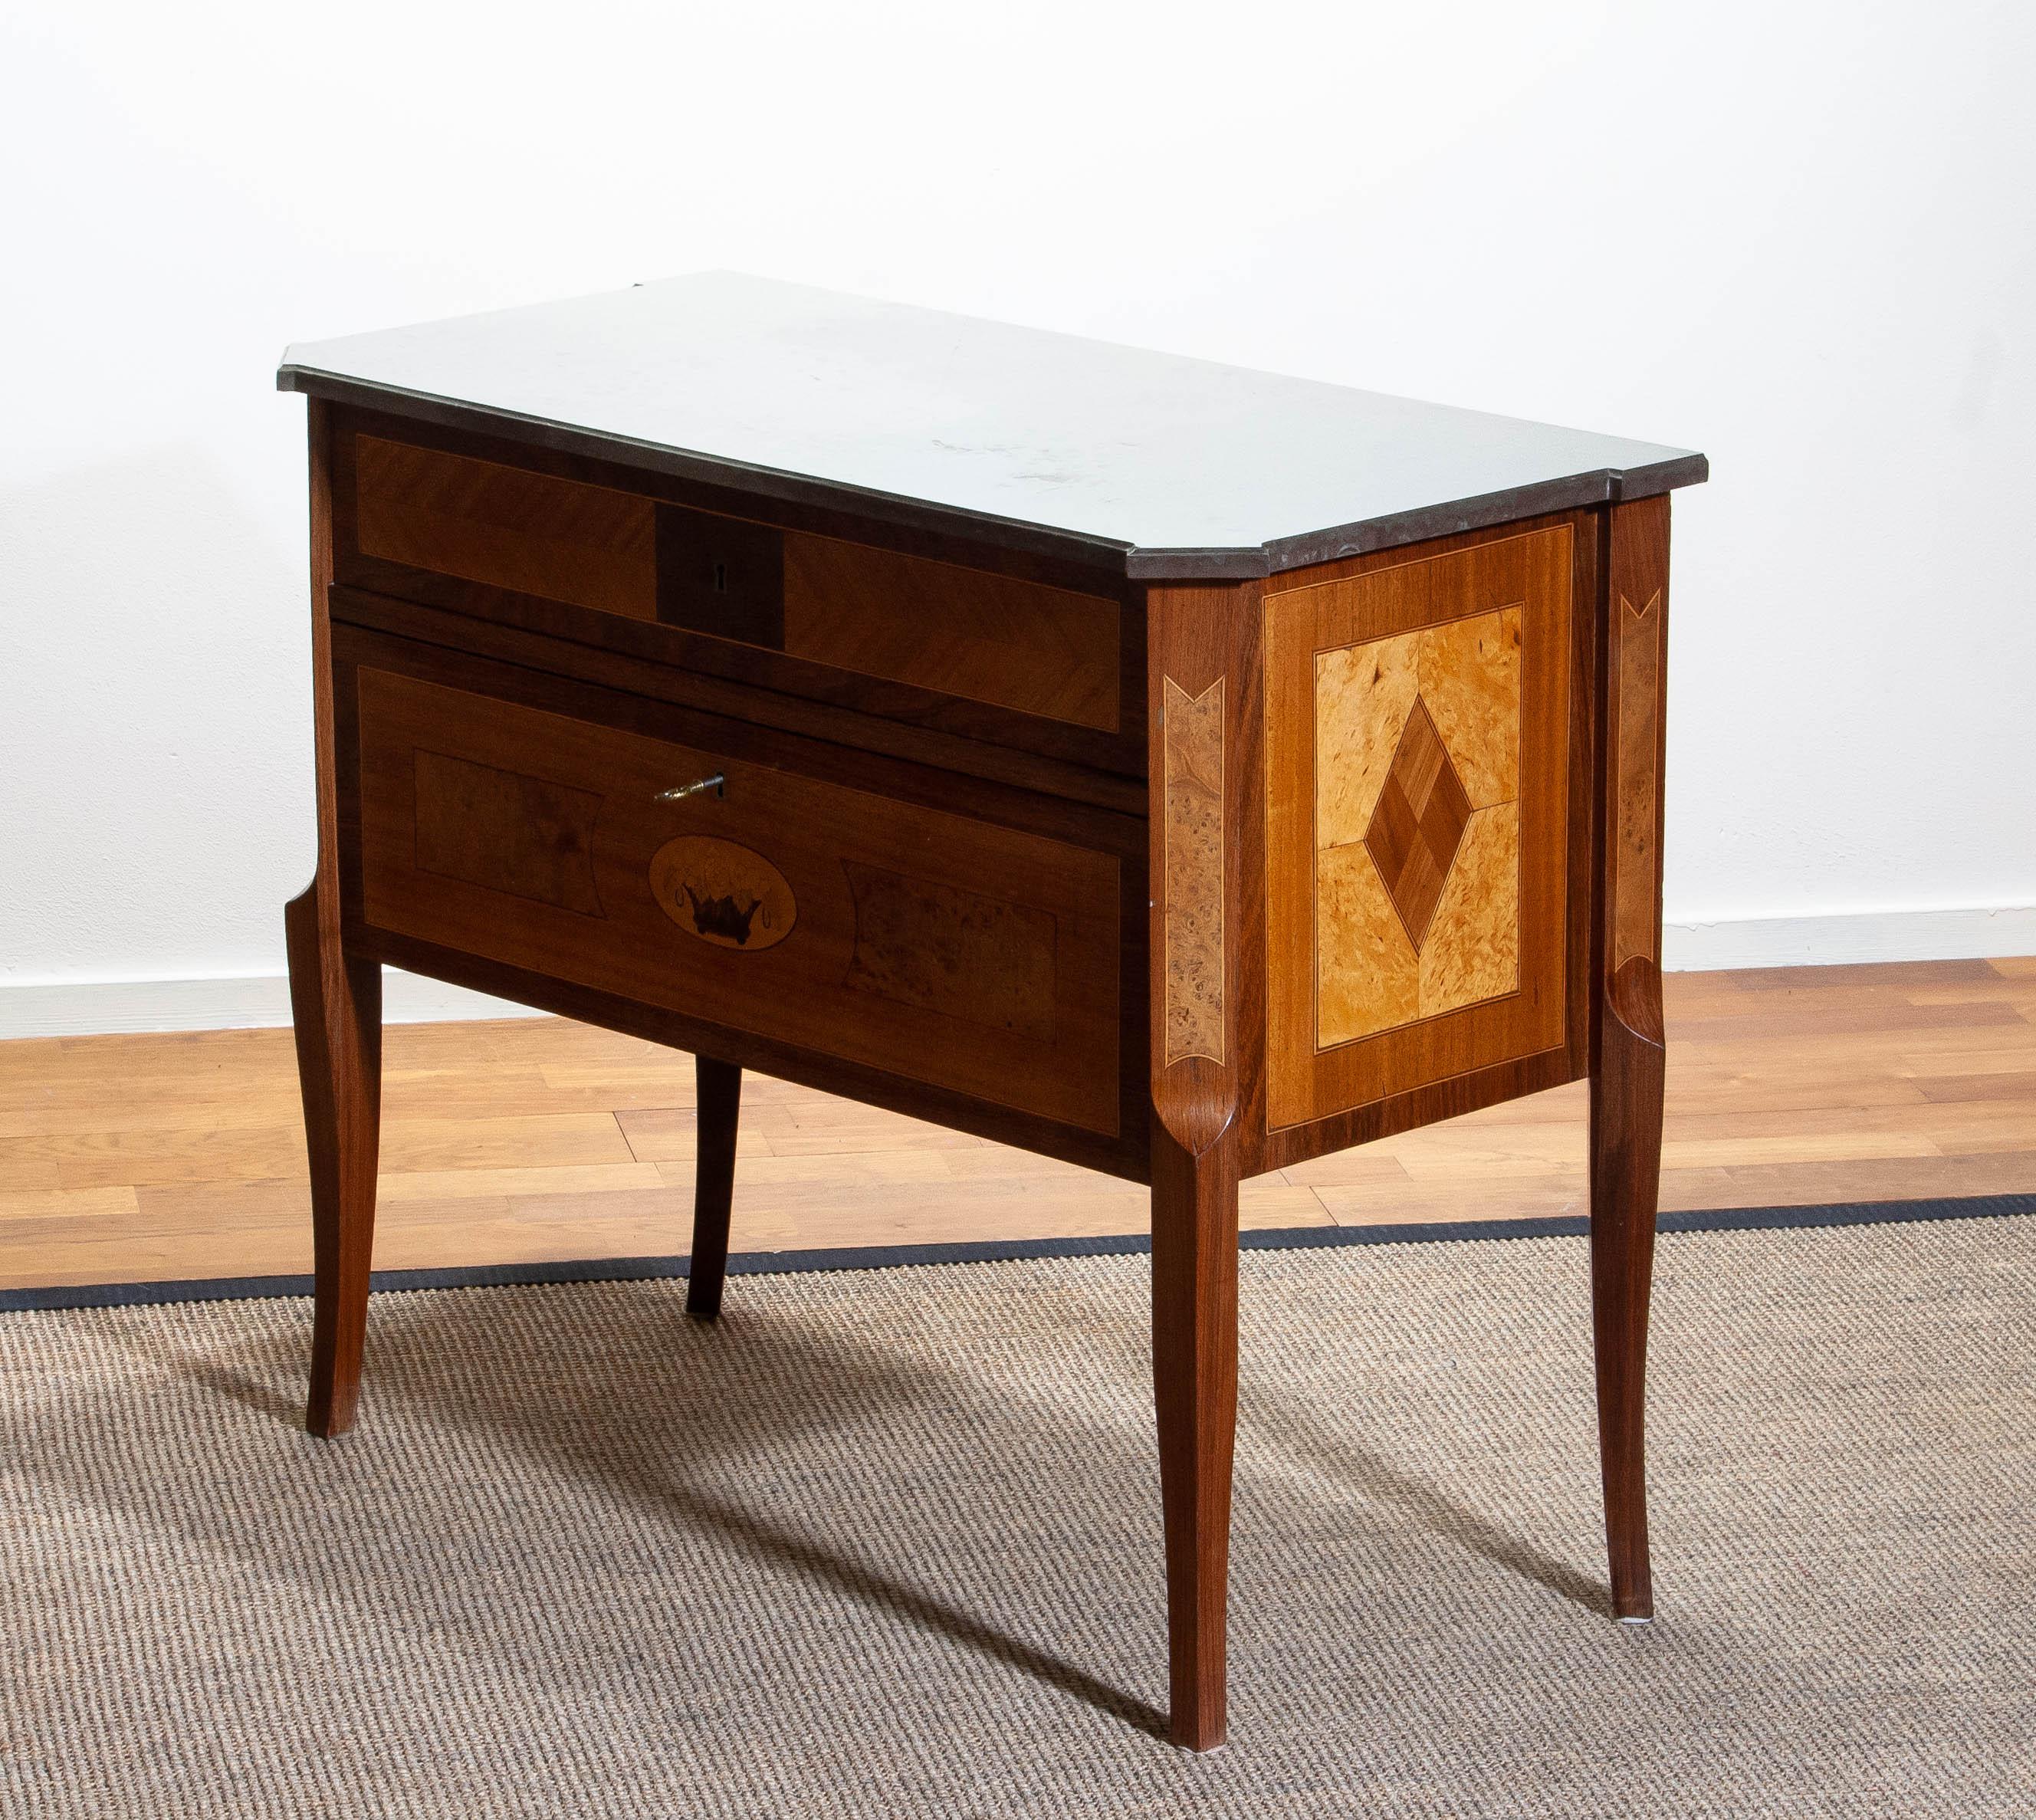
(336, 1001)
(1194, 1373)
(1628, 1060)
(720, 1096)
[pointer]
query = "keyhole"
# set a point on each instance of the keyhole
(720, 578)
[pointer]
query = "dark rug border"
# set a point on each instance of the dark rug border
(997, 1250)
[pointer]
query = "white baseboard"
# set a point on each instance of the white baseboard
(73, 1008)
(99, 1007)
(1844, 941)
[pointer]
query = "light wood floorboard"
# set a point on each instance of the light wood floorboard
(149, 1159)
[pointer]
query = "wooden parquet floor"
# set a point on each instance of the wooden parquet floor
(146, 1158)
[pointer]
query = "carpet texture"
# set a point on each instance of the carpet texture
(887, 1542)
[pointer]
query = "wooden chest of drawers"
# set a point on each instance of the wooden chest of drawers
(1183, 771)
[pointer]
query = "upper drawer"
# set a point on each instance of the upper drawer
(1011, 659)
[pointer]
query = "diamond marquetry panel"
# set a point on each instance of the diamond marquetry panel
(1418, 832)
(1440, 802)
(1419, 823)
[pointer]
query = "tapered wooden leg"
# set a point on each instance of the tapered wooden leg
(1195, 1369)
(1203, 729)
(1625, 1173)
(336, 1001)
(720, 1097)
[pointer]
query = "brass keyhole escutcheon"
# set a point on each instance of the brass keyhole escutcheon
(718, 783)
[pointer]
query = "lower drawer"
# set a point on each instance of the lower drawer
(954, 951)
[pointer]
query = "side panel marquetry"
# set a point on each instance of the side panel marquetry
(1417, 825)
(960, 953)
(1417, 830)
(995, 639)
(1194, 812)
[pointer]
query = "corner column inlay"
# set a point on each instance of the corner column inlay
(1636, 919)
(1194, 923)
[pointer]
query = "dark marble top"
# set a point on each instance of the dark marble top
(1152, 464)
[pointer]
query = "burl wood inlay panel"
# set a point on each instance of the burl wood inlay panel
(957, 951)
(1636, 861)
(1194, 932)
(521, 836)
(1417, 822)
(1440, 824)
(982, 637)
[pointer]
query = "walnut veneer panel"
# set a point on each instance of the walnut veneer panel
(534, 534)
(963, 632)
(997, 640)
(949, 950)
(1417, 820)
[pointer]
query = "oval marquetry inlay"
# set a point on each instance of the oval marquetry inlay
(723, 893)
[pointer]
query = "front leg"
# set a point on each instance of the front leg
(1194, 1382)
(1629, 1061)
(1201, 715)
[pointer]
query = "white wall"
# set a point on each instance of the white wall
(1796, 235)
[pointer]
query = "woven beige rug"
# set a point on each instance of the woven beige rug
(887, 1542)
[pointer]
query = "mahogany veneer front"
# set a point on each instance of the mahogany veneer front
(782, 604)
(942, 947)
